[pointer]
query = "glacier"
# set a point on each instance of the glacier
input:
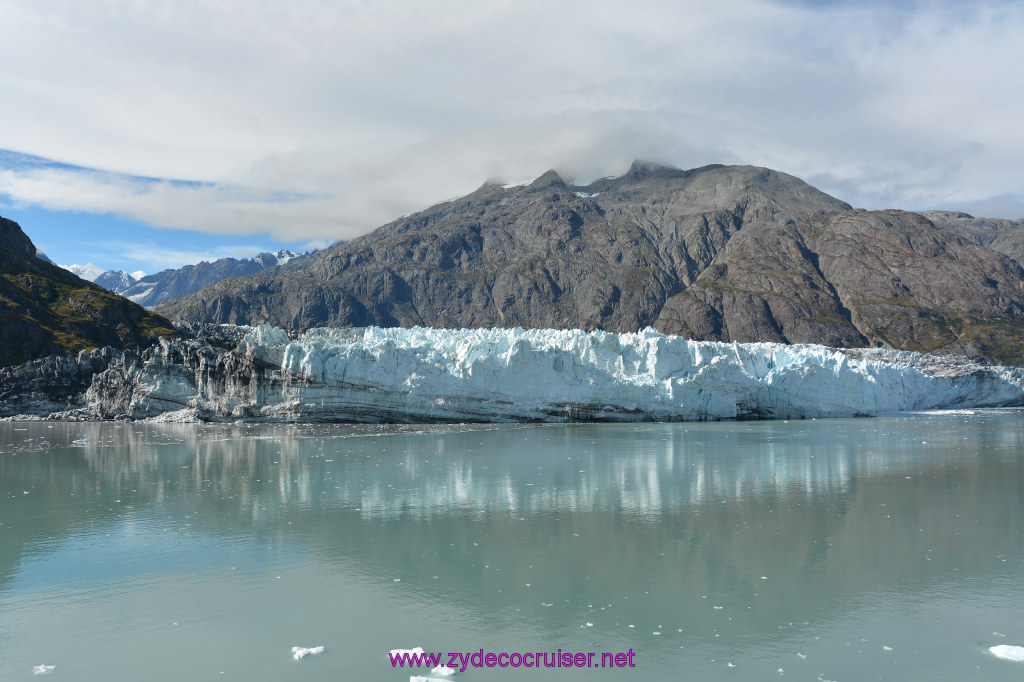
(513, 375)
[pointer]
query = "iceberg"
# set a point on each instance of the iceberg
(300, 652)
(1008, 652)
(421, 375)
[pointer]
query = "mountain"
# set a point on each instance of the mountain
(151, 290)
(88, 272)
(1004, 236)
(117, 281)
(44, 309)
(723, 253)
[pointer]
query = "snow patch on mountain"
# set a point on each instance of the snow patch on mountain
(89, 271)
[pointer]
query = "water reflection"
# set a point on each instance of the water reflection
(708, 531)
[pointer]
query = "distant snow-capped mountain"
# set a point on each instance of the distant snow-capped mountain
(88, 271)
(118, 281)
(152, 290)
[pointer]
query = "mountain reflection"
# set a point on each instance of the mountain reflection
(645, 470)
(837, 506)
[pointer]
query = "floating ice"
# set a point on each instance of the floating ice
(419, 678)
(1008, 652)
(410, 652)
(43, 669)
(299, 652)
(443, 670)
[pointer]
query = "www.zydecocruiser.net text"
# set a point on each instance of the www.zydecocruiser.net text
(462, 660)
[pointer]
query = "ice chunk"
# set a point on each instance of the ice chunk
(443, 670)
(420, 678)
(1008, 652)
(299, 652)
(43, 669)
(410, 652)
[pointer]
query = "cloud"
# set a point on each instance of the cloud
(320, 120)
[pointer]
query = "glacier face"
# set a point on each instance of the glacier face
(426, 375)
(503, 375)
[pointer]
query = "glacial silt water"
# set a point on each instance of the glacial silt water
(862, 549)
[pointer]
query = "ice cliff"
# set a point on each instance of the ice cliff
(435, 375)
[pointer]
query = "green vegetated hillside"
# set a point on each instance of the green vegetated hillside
(45, 309)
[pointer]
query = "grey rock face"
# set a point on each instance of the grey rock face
(543, 255)
(716, 253)
(1005, 236)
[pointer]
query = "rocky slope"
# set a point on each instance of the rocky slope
(1004, 236)
(715, 253)
(44, 309)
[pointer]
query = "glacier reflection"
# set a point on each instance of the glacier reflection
(643, 470)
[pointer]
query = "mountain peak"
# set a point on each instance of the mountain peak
(13, 240)
(549, 179)
(640, 170)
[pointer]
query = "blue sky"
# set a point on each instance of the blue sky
(146, 134)
(71, 237)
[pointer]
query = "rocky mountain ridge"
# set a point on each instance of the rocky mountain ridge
(721, 253)
(151, 290)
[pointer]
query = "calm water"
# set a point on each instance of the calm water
(889, 548)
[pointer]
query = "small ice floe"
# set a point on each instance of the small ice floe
(443, 670)
(886, 648)
(81, 442)
(408, 652)
(420, 678)
(1008, 652)
(42, 669)
(803, 656)
(300, 652)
